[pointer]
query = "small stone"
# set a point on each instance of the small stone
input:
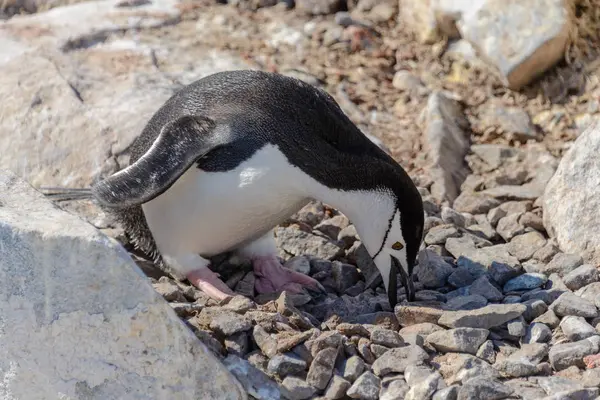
(353, 368)
(470, 302)
(410, 315)
(486, 352)
(240, 304)
(321, 369)
(462, 340)
(461, 277)
(581, 276)
(509, 227)
(384, 319)
(490, 316)
(396, 360)
(286, 364)
(533, 221)
(237, 344)
(365, 387)
(535, 308)
(439, 234)
(546, 253)
(425, 388)
(396, 390)
(460, 367)
(424, 328)
(517, 327)
(516, 368)
(348, 236)
(289, 339)
(297, 389)
(324, 341)
(564, 355)
(378, 350)
(571, 304)
(591, 293)
(352, 330)
(548, 318)
(483, 287)
(254, 381)
(563, 263)
(449, 393)
(386, 337)
(526, 389)
(474, 203)
(364, 349)
(537, 333)
(557, 384)
(527, 281)
(524, 246)
(299, 264)
(484, 388)
(227, 323)
(432, 269)
(533, 353)
(495, 259)
(344, 275)
(264, 341)
(319, 7)
(337, 388)
(576, 328)
(415, 374)
(297, 242)
(406, 81)
(169, 290)
(452, 217)
(591, 377)
(556, 282)
(332, 226)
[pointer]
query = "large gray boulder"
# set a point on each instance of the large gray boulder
(572, 198)
(78, 319)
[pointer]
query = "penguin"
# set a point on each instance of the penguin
(232, 155)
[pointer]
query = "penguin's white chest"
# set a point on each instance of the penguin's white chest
(208, 213)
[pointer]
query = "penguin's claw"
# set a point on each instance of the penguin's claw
(272, 277)
(209, 282)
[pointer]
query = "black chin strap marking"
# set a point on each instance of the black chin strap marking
(387, 232)
(393, 283)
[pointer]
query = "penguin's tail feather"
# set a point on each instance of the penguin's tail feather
(180, 143)
(66, 194)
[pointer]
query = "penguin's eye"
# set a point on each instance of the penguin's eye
(397, 246)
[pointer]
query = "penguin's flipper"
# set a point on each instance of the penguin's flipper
(179, 144)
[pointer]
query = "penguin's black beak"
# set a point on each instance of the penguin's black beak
(406, 282)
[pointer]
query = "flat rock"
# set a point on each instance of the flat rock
(432, 269)
(440, 233)
(460, 367)
(386, 337)
(396, 390)
(396, 360)
(571, 304)
(512, 121)
(461, 277)
(447, 143)
(493, 259)
(321, 369)
(562, 264)
(581, 276)
(297, 242)
(576, 183)
(415, 314)
(353, 368)
(484, 388)
(286, 364)
(516, 368)
(462, 340)
(576, 328)
(337, 388)
(297, 389)
(483, 287)
(487, 317)
(564, 355)
(501, 43)
(366, 387)
(425, 388)
(475, 203)
(470, 302)
(319, 7)
(509, 227)
(73, 285)
(527, 281)
(591, 293)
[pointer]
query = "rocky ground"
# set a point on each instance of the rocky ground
(507, 304)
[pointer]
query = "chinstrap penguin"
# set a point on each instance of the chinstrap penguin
(232, 155)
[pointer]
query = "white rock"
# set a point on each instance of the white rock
(80, 93)
(521, 39)
(79, 319)
(576, 183)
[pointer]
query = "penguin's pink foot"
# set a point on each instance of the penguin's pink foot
(272, 277)
(210, 283)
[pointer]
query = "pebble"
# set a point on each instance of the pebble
(576, 328)
(344, 275)
(265, 342)
(237, 344)
(254, 381)
(474, 203)
(508, 227)
(439, 234)
(227, 323)
(537, 333)
(460, 277)
(366, 387)
(548, 318)
(470, 302)
(487, 352)
(424, 328)
(337, 388)
(564, 355)
(460, 367)
(571, 304)
(332, 226)
(396, 360)
(533, 221)
(432, 270)
(581, 276)
(516, 368)
(452, 217)
(462, 340)
(483, 388)
(425, 388)
(563, 263)
(286, 364)
(415, 374)
(517, 327)
(449, 393)
(591, 377)
(321, 369)
(535, 308)
(415, 314)
(483, 287)
(591, 293)
(386, 337)
(396, 390)
(527, 281)
(353, 368)
(556, 384)
(297, 389)
(169, 290)
(524, 246)
(487, 317)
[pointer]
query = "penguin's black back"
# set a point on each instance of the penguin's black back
(304, 122)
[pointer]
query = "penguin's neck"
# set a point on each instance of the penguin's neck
(369, 211)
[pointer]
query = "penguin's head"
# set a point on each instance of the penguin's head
(397, 253)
